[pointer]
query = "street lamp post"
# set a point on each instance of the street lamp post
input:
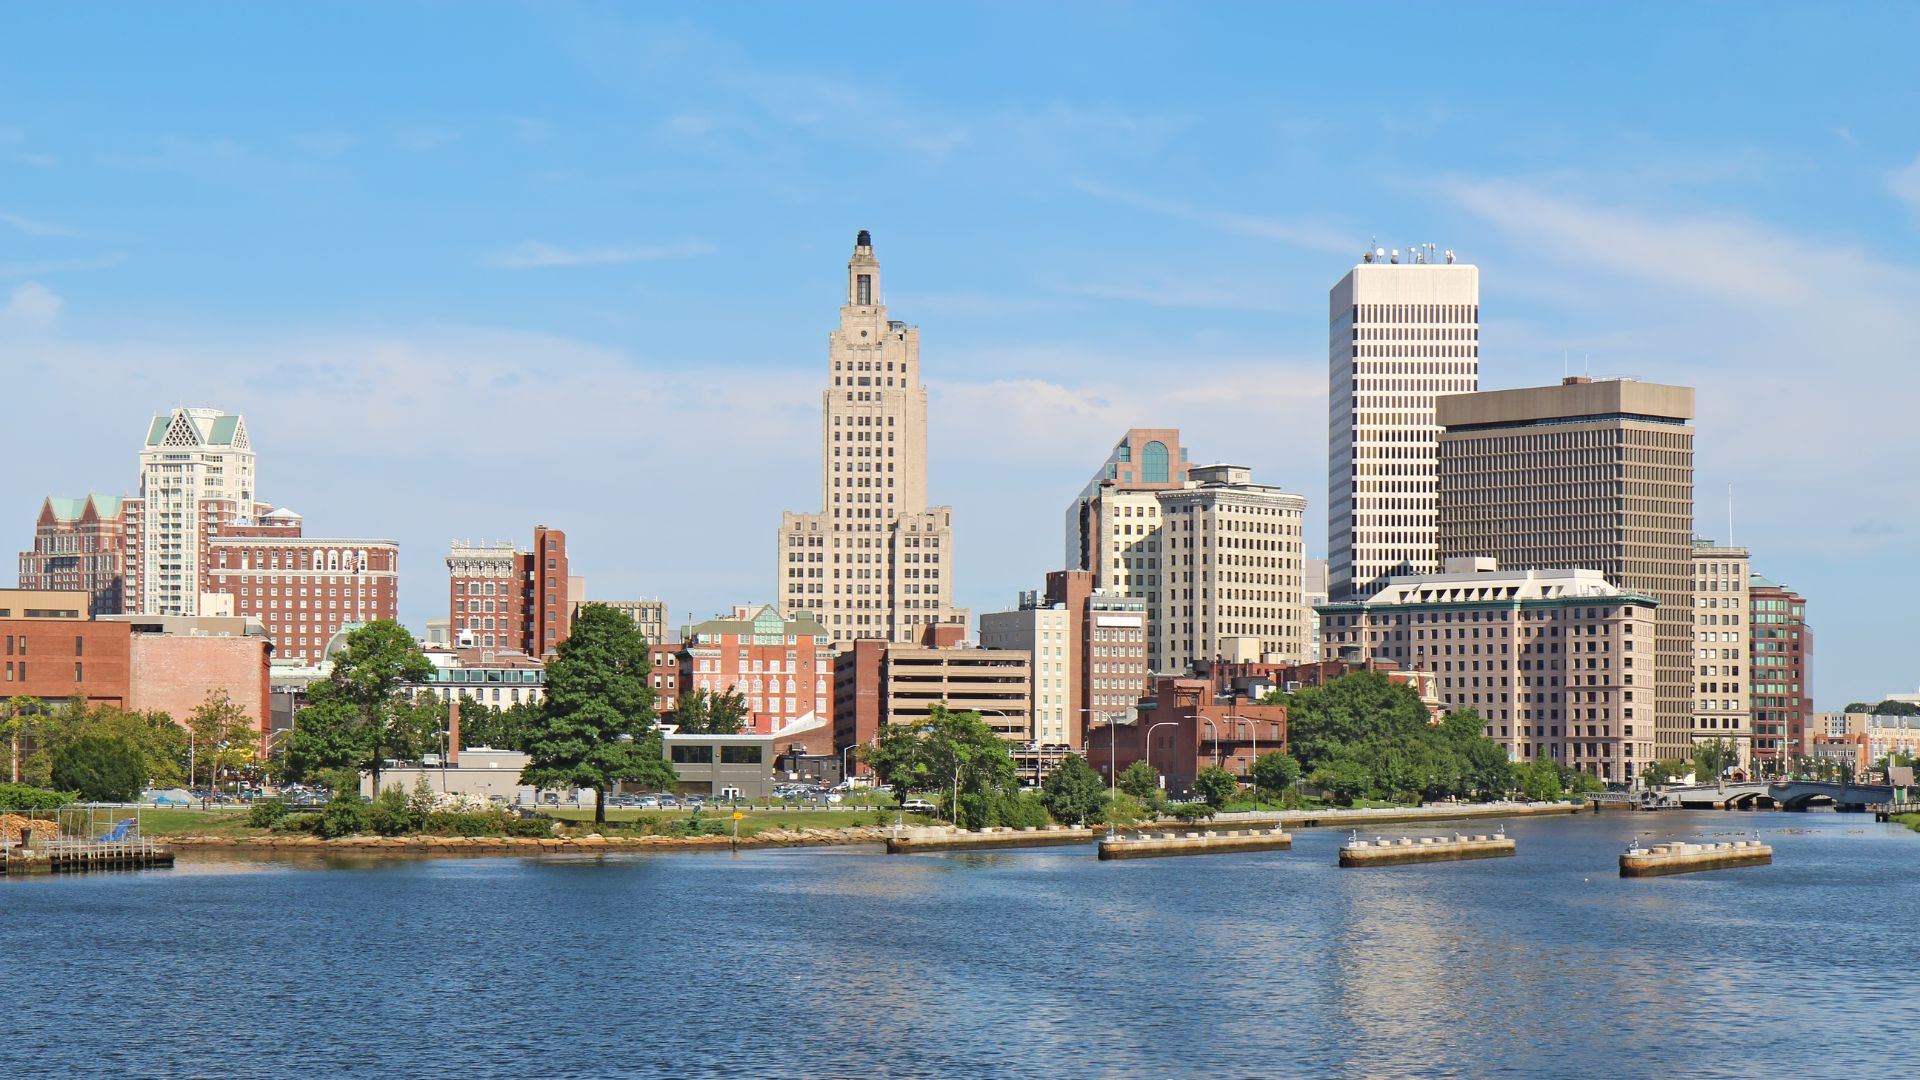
(1147, 740)
(1113, 753)
(1253, 728)
(1216, 740)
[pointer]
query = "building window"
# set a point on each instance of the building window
(863, 289)
(1153, 463)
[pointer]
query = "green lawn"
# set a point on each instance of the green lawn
(1911, 821)
(184, 822)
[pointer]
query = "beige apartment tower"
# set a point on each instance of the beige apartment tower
(875, 561)
(1402, 329)
(1721, 707)
(1231, 562)
(1588, 474)
(196, 478)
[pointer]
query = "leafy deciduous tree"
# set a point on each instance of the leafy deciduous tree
(102, 768)
(1216, 785)
(1074, 793)
(1140, 780)
(597, 725)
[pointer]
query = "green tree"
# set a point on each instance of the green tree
(704, 713)
(21, 797)
(101, 768)
(1712, 758)
(223, 735)
(1275, 773)
(1660, 773)
(1349, 710)
(361, 699)
(1343, 778)
(597, 726)
(1140, 780)
(1215, 786)
(1074, 793)
(17, 714)
(951, 753)
(1540, 780)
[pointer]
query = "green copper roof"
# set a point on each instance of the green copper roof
(223, 428)
(66, 509)
(158, 430)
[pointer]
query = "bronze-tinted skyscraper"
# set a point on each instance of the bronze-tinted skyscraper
(1589, 475)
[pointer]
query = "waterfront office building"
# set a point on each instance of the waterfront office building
(1588, 474)
(1558, 662)
(1402, 330)
(1721, 710)
(875, 562)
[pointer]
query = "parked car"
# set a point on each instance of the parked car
(917, 806)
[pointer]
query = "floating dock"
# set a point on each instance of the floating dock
(81, 856)
(1688, 858)
(1425, 849)
(948, 838)
(1156, 845)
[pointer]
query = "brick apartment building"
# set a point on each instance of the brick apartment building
(303, 589)
(1782, 644)
(1089, 648)
(782, 667)
(80, 544)
(499, 597)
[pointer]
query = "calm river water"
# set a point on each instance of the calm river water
(845, 962)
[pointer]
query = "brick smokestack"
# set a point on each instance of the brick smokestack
(453, 732)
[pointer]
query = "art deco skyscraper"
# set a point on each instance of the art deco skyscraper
(876, 561)
(1401, 331)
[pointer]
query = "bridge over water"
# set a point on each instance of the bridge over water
(1783, 795)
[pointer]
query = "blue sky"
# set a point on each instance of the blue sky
(466, 267)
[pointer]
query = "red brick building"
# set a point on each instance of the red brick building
(782, 667)
(1225, 677)
(1780, 654)
(52, 650)
(501, 597)
(303, 589)
(1183, 729)
(80, 544)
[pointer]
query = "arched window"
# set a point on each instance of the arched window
(1153, 462)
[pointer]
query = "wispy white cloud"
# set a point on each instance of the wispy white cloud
(1305, 234)
(1904, 182)
(61, 266)
(30, 308)
(535, 255)
(1800, 348)
(33, 226)
(1168, 292)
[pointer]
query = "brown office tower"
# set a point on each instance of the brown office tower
(1584, 475)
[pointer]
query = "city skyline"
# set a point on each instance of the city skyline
(1750, 264)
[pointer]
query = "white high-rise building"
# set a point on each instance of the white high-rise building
(196, 476)
(1403, 329)
(876, 561)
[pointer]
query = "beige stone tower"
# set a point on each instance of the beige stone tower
(876, 561)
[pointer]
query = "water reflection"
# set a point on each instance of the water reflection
(1042, 962)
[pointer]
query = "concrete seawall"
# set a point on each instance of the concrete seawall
(1425, 849)
(951, 839)
(1662, 859)
(1365, 819)
(1156, 845)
